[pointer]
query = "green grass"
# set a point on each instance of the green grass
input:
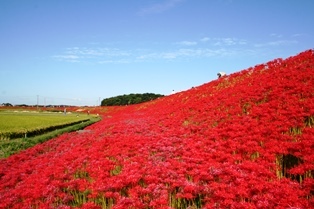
(19, 124)
(21, 130)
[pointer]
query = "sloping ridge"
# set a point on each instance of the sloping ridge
(241, 141)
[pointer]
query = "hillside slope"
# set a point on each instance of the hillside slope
(241, 141)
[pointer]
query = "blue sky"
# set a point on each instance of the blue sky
(78, 52)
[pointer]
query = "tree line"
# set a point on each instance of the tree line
(128, 99)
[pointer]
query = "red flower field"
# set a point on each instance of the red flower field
(242, 141)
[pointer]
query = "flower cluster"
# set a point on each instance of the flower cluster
(241, 141)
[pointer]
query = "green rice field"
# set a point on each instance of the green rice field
(17, 124)
(21, 129)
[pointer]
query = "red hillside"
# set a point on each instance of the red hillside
(245, 140)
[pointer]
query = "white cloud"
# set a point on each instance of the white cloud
(115, 55)
(67, 58)
(276, 43)
(187, 43)
(298, 35)
(214, 47)
(186, 53)
(205, 39)
(77, 54)
(276, 35)
(116, 61)
(159, 8)
(96, 51)
(228, 42)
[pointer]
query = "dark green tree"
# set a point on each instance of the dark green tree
(129, 99)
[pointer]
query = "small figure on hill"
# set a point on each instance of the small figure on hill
(221, 74)
(65, 111)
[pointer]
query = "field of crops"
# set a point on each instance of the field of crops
(24, 128)
(242, 141)
(17, 124)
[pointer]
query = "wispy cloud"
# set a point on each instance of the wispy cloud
(159, 8)
(276, 43)
(205, 39)
(228, 41)
(214, 42)
(276, 35)
(115, 61)
(187, 54)
(187, 43)
(67, 58)
(298, 35)
(111, 52)
(179, 51)
(118, 56)
(77, 54)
